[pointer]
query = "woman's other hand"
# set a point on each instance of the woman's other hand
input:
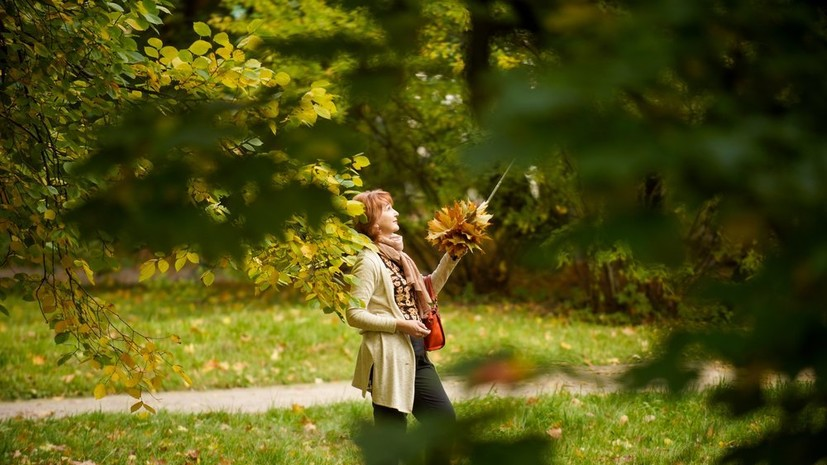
(412, 328)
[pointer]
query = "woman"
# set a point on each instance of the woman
(392, 363)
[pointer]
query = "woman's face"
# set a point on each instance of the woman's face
(386, 223)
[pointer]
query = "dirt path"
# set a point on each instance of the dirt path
(596, 379)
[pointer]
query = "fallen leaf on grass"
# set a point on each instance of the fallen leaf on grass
(38, 360)
(555, 433)
(193, 456)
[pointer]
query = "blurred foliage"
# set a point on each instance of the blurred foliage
(721, 102)
(674, 148)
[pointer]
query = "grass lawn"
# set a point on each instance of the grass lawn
(645, 428)
(231, 338)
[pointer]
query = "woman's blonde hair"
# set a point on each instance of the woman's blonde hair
(374, 201)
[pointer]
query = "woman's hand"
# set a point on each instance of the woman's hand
(412, 328)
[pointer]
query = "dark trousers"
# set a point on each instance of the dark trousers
(431, 403)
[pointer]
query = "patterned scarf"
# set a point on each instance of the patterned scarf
(391, 247)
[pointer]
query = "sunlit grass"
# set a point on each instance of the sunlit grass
(644, 428)
(232, 338)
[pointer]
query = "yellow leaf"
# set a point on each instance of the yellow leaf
(147, 271)
(137, 25)
(192, 257)
(222, 39)
(207, 278)
(135, 407)
(86, 270)
(127, 360)
(183, 68)
(322, 111)
(169, 52)
(155, 42)
(360, 161)
(163, 265)
(200, 47)
(100, 391)
(180, 262)
(355, 208)
(49, 214)
(136, 393)
(225, 52)
(282, 79)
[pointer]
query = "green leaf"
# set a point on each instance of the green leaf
(185, 56)
(114, 6)
(201, 63)
(64, 358)
(151, 52)
(202, 29)
(154, 19)
(155, 42)
(62, 337)
(254, 24)
(149, 6)
(4, 310)
(200, 47)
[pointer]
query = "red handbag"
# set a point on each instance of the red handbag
(435, 340)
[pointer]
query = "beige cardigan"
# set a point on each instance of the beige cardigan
(388, 352)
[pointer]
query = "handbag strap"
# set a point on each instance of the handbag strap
(430, 286)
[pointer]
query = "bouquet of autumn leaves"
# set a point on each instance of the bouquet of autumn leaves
(459, 228)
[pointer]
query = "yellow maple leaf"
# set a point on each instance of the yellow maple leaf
(459, 228)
